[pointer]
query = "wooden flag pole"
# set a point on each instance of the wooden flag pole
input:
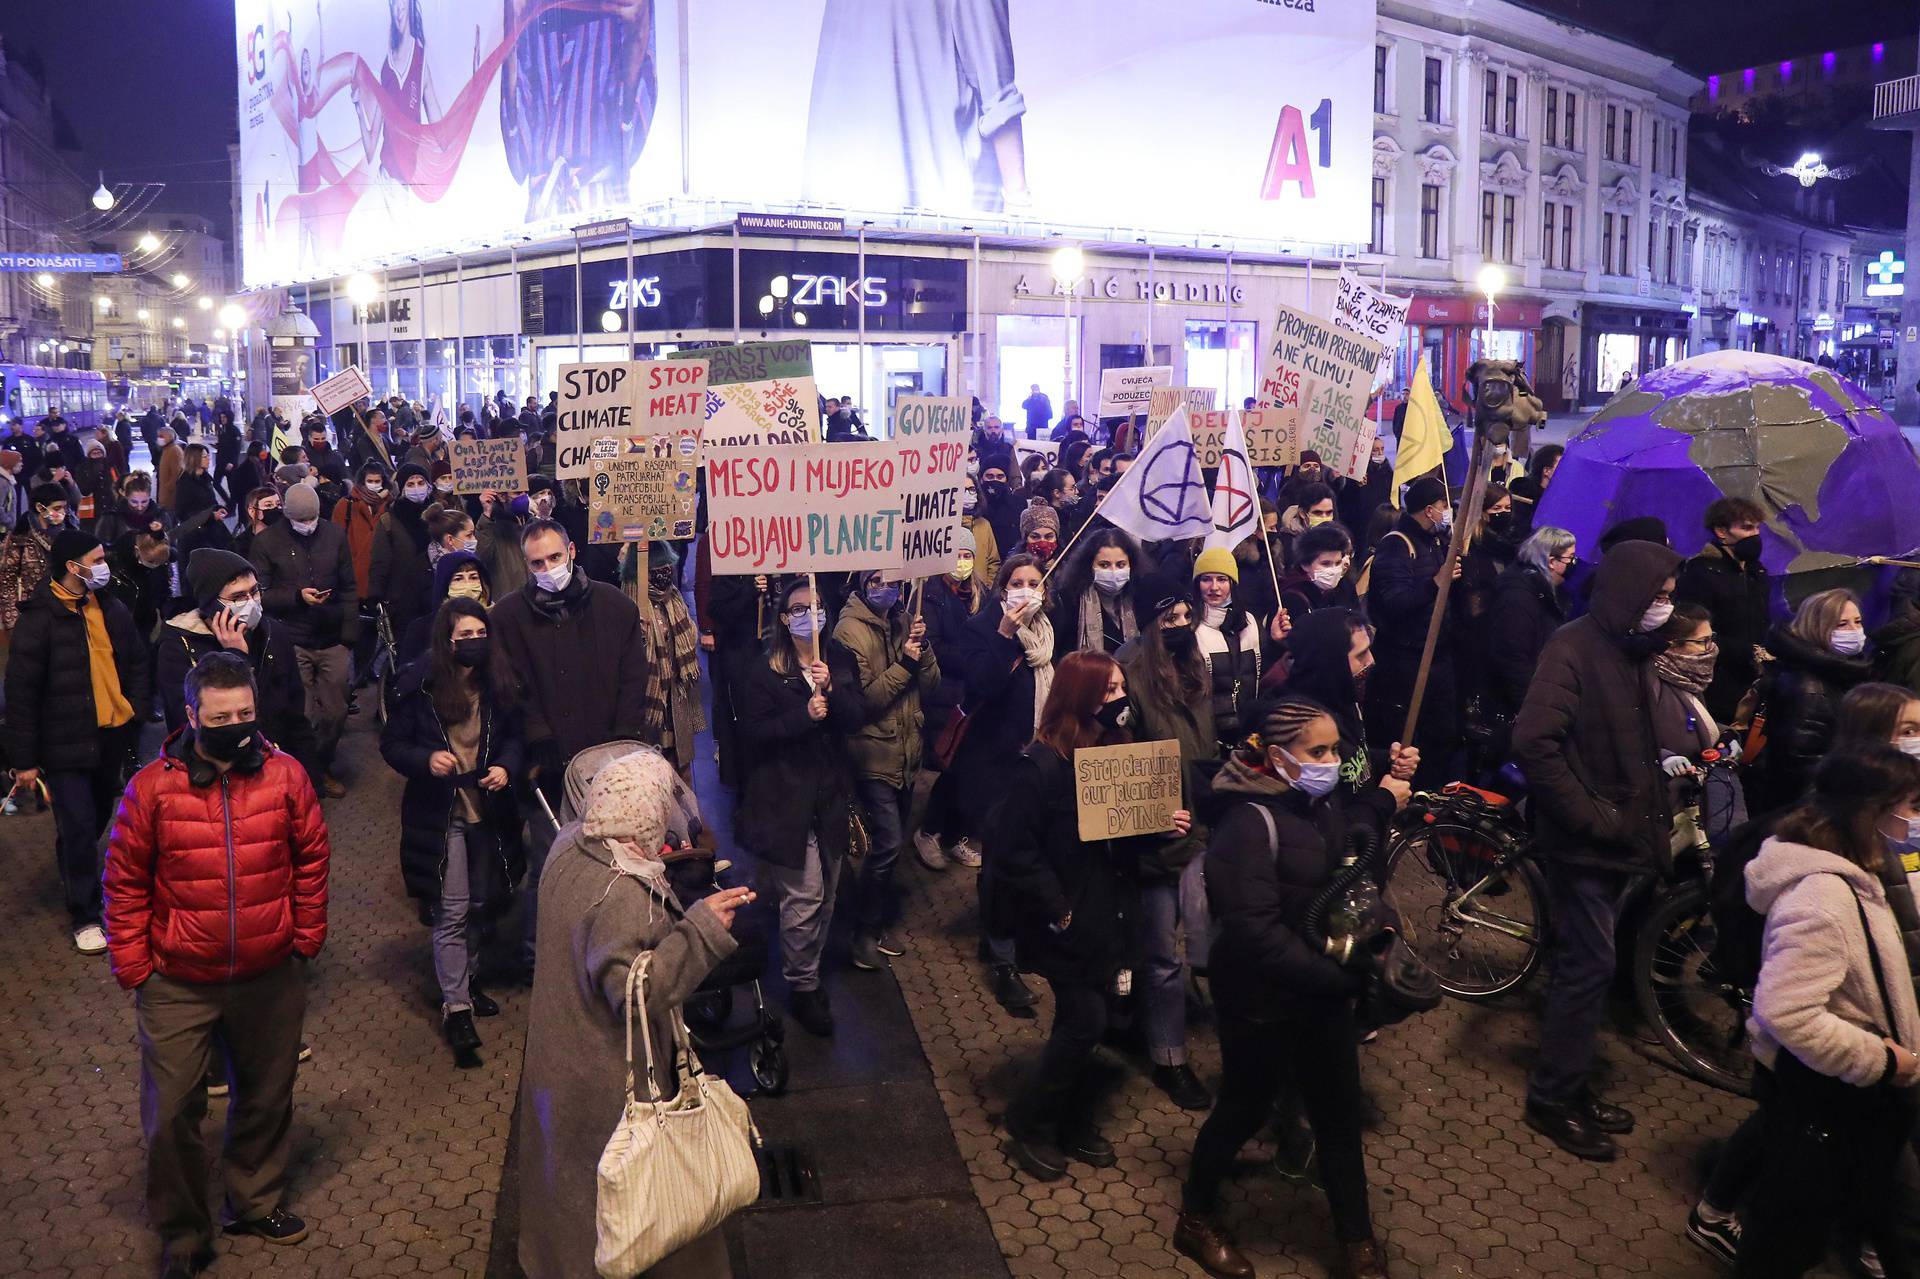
(1462, 530)
(814, 590)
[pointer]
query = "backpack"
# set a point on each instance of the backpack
(1739, 929)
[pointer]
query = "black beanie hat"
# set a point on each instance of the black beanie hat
(68, 545)
(1156, 594)
(209, 570)
(1425, 491)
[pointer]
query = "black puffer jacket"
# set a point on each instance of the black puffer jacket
(413, 732)
(1585, 735)
(1800, 694)
(1042, 871)
(800, 779)
(51, 720)
(1737, 602)
(1259, 887)
(398, 574)
(1527, 610)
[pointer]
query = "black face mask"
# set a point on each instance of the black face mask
(225, 742)
(1114, 715)
(272, 516)
(1500, 523)
(472, 652)
(1178, 639)
(995, 489)
(1360, 684)
(1747, 549)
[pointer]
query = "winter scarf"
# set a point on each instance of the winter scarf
(1093, 626)
(1036, 641)
(1690, 674)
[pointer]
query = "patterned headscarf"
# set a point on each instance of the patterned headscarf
(627, 809)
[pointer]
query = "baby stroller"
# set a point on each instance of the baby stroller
(694, 872)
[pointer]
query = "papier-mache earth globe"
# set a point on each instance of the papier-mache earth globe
(1836, 478)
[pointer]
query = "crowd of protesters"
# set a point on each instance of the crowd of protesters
(249, 602)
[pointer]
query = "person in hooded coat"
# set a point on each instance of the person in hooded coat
(1601, 815)
(1403, 590)
(398, 574)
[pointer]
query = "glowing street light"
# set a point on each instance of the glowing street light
(361, 289)
(143, 315)
(610, 321)
(1491, 280)
(766, 304)
(1068, 265)
(180, 280)
(206, 303)
(149, 243)
(102, 198)
(233, 317)
(44, 279)
(778, 287)
(104, 302)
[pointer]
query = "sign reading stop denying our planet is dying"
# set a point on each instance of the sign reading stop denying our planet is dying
(1127, 790)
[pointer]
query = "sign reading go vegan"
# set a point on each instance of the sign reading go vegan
(804, 508)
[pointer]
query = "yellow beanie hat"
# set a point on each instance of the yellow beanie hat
(1217, 559)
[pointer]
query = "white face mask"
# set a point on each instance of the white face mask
(418, 492)
(304, 527)
(1019, 597)
(1656, 616)
(1847, 643)
(98, 576)
(554, 580)
(1315, 780)
(445, 486)
(1329, 577)
(1910, 745)
(246, 613)
(1111, 581)
(471, 545)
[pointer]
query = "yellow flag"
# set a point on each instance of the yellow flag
(1424, 437)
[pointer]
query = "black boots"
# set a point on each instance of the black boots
(462, 1037)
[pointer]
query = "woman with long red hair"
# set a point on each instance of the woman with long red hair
(1069, 904)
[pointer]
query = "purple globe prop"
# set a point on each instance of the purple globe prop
(1836, 478)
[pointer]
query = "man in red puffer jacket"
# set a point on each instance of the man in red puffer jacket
(216, 901)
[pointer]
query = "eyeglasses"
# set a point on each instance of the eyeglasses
(253, 594)
(1704, 642)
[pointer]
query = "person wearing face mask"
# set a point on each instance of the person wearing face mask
(441, 473)
(1312, 507)
(1601, 816)
(455, 734)
(1171, 694)
(1228, 640)
(1530, 601)
(1333, 661)
(895, 670)
(456, 575)
(1360, 498)
(1094, 595)
(1729, 581)
(135, 509)
(1322, 576)
(973, 518)
(260, 510)
(948, 831)
(428, 448)
(798, 711)
(1408, 564)
(449, 529)
(1286, 1008)
(1040, 531)
(399, 569)
(307, 586)
(214, 933)
(226, 613)
(358, 516)
(675, 711)
(1493, 546)
(1069, 904)
(1817, 657)
(77, 686)
(147, 577)
(1310, 471)
(27, 557)
(999, 503)
(1683, 727)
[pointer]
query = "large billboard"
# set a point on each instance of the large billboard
(376, 128)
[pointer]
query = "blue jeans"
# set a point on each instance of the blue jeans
(456, 928)
(1586, 910)
(884, 808)
(1161, 979)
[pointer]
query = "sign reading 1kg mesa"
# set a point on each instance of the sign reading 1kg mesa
(613, 401)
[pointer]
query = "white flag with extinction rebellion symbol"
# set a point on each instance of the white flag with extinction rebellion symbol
(1162, 496)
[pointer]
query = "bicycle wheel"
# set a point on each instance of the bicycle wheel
(1701, 1021)
(1479, 923)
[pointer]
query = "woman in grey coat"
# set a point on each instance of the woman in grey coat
(604, 900)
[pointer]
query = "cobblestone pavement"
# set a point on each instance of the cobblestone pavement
(1461, 1186)
(396, 1154)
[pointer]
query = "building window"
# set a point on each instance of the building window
(1653, 157)
(1626, 137)
(1606, 244)
(1573, 136)
(1825, 272)
(1380, 79)
(1673, 149)
(1567, 262)
(1513, 106)
(1672, 245)
(1429, 221)
(1377, 237)
(1430, 98)
(1547, 213)
(1486, 224)
(1552, 114)
(1653, 255)
(1489, 106)
(1507, 227)
(1626, 239)
(1613, 129)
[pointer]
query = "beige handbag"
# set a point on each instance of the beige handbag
(673, 1170)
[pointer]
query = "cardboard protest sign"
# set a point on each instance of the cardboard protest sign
(932, 434)
(596, 401)
(1196, 399)
(1127, 790)
(775, 411)
(1125, 392)
(489, 466)
(804, 508)
(670, 396)
(1323, 373)
(753, 361)
(341, 391)
(1048, 449)
(646, 491)
(1209, 432)
(1273, 436)
(1361, 308)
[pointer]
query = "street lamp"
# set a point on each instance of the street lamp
(610, 321)
(233, 317)
(1068, 265)
(206, 303)
(142, 315)
(180, 280)
(179, 323)
(102, 198)
(149, 243)
(44, 279)
(1491, 280)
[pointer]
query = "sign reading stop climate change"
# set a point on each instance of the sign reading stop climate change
(932, 435)
(1323, 373)
(804, 508)
(623, 399)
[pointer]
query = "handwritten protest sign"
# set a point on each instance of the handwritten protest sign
(753, 361)
(343, 390)
(776, 411)
(932, 434)
(1197, 399)
(1273, 436)
(669, 396)
(489, 466)
(1323, 373)
(804, 508)
(1363, 309)
(646, 492)
(596, 401)
(1127, 790)
(1048, 450)
(1125, 392)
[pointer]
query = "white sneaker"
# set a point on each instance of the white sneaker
(91, 940)
(932, 856)
(966, 852)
